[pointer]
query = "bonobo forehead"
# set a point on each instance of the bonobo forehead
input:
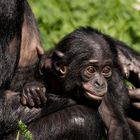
(85, 44)
(100, 48)
(92, 47)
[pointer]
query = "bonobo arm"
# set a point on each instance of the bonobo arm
(11, 111)
(130, 62)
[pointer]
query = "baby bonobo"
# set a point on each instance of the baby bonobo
(83, 66)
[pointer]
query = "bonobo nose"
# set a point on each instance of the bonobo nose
(99, 83)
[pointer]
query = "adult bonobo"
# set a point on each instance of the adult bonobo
(84, 67)
(17, 25)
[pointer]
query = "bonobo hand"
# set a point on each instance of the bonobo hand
(135, 103)
(45, 62)
(33, 95)
(135, 97)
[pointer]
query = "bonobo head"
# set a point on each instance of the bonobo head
(83, 60)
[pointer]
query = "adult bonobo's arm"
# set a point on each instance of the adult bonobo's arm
(31, 42)
(130, 62)
(11, 110)
(135, 97)
(30, 52)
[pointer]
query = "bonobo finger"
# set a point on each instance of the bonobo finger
(40, 50)
(29, 97)
(26, 91)
(134, 94)
(23, 100)
(134, 124)
(136, 105)
(30, 102)
(26, 98)
(36, 98)
(41, 92)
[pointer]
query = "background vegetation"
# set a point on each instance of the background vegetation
(118, 18)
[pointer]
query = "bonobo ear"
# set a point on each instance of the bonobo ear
(59, 66)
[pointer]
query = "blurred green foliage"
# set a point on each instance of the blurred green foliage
(118, 18)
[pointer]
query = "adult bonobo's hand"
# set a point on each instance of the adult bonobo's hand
(134, 118)
(135, 97)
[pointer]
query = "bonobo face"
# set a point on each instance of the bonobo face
(94, 77)
(88, 70)
(84, 62)
(97, 71)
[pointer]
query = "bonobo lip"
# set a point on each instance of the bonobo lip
(91, 93)
(94, 96)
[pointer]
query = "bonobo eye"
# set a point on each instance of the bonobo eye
(107, 71)
(89, 71)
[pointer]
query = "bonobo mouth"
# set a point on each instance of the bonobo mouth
(94, 96)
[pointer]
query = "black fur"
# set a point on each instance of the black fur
(74, 50)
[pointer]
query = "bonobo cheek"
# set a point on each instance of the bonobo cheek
(92, 93)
